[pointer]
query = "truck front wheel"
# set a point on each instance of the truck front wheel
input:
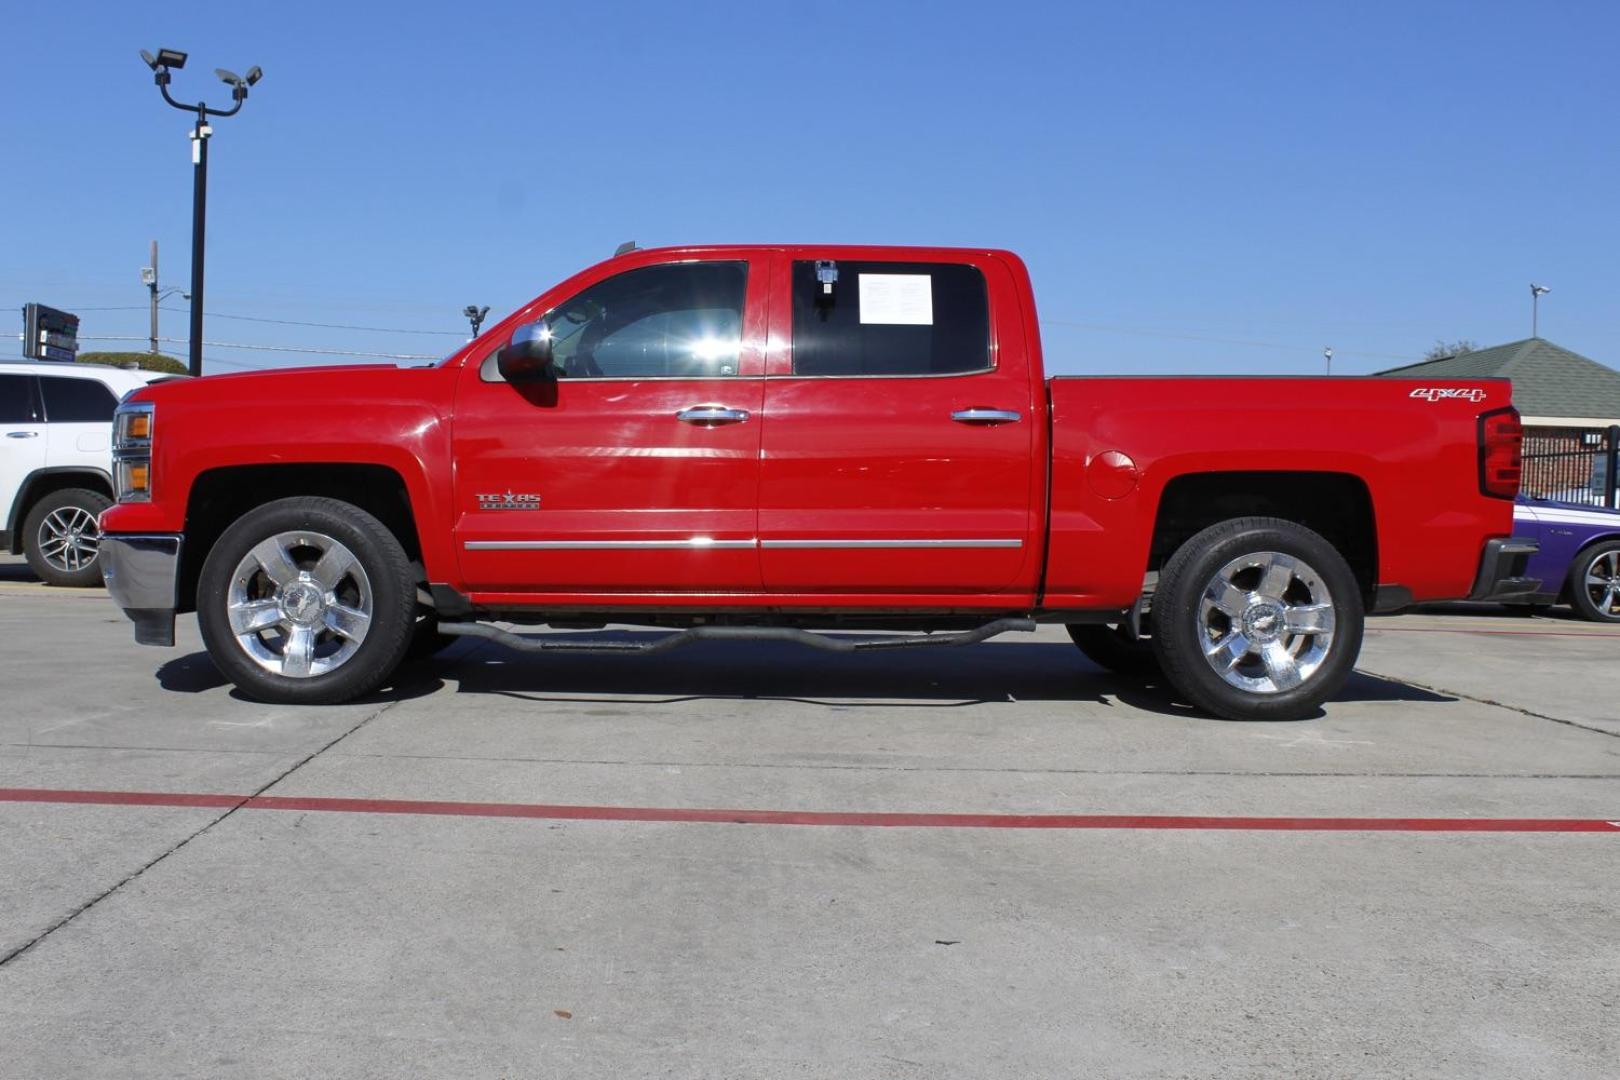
(1257, 619)
(306, 601)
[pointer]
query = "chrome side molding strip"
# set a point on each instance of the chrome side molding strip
(701, 543)
(891, 543)
(696, 543)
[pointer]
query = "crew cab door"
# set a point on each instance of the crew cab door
(901, 431)
(22, 441)
(636, 469)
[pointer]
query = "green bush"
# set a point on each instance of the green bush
(146, 361)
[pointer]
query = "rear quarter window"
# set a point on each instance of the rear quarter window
(891, 318)
(77, 401)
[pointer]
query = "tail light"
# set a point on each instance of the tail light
(1501, 444)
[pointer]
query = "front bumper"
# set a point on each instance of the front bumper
(1501, 570)
(142, 574)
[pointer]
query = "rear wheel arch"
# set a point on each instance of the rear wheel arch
(1337, 506)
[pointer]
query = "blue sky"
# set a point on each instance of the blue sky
(1196, 187)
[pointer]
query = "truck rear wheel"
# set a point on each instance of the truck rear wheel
(306, 601)
(1257, 619)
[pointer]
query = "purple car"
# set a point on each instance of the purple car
(1579, 559)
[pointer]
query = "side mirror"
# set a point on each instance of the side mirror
(528, 357)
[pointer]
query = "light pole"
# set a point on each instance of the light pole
(1535, 305)
(1327, 359)
(475, 315)
(160, 65)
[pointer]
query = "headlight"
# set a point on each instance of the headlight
(132, 451)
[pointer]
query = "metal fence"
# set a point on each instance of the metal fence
(1571, 464)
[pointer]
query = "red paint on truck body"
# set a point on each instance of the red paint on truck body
(828, 459)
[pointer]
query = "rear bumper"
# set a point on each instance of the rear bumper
(142, 574)
(1501, 570)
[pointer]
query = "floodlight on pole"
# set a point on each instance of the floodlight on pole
(1536, 292)
(475, 316)
(161, 64)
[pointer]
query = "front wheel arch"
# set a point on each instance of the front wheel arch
(221, 496)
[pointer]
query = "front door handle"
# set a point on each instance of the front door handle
(985, 416)
(22, 434)
(712, 414)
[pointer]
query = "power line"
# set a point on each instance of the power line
(322, 325)
(1140, 332)
(264, 348)
(280, 322)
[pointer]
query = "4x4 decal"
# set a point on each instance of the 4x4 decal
(1441, 393)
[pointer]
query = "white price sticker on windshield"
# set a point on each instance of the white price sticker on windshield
(903, 299)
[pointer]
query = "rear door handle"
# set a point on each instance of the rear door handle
(985, 416)
(712, 414)
(22, 434)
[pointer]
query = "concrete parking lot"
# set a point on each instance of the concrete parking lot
(194, 884)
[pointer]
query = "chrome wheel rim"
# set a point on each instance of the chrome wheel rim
(1266, 622)
(1602, 583)
(69, 539)
(299, 604)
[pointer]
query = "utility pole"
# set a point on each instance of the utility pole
(149, 276)
(1535, 305)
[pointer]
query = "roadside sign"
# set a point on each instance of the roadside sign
(50, 334)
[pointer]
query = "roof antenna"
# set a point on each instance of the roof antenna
(624, 249)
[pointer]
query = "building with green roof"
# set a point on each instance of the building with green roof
(1552, 386)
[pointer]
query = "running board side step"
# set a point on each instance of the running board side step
(572, 644)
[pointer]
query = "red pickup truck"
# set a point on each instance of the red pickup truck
(772, 442)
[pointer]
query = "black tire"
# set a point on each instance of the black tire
(1288, 675)
(1113, 648)
(60, 542)
(377, 581)
(1600, 560)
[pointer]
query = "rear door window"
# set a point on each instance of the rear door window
(889, 318)
(77, 401)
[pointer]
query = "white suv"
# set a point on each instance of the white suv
(56, 462)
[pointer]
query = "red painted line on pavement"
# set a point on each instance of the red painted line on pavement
(1459, 630)
(805, 817)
